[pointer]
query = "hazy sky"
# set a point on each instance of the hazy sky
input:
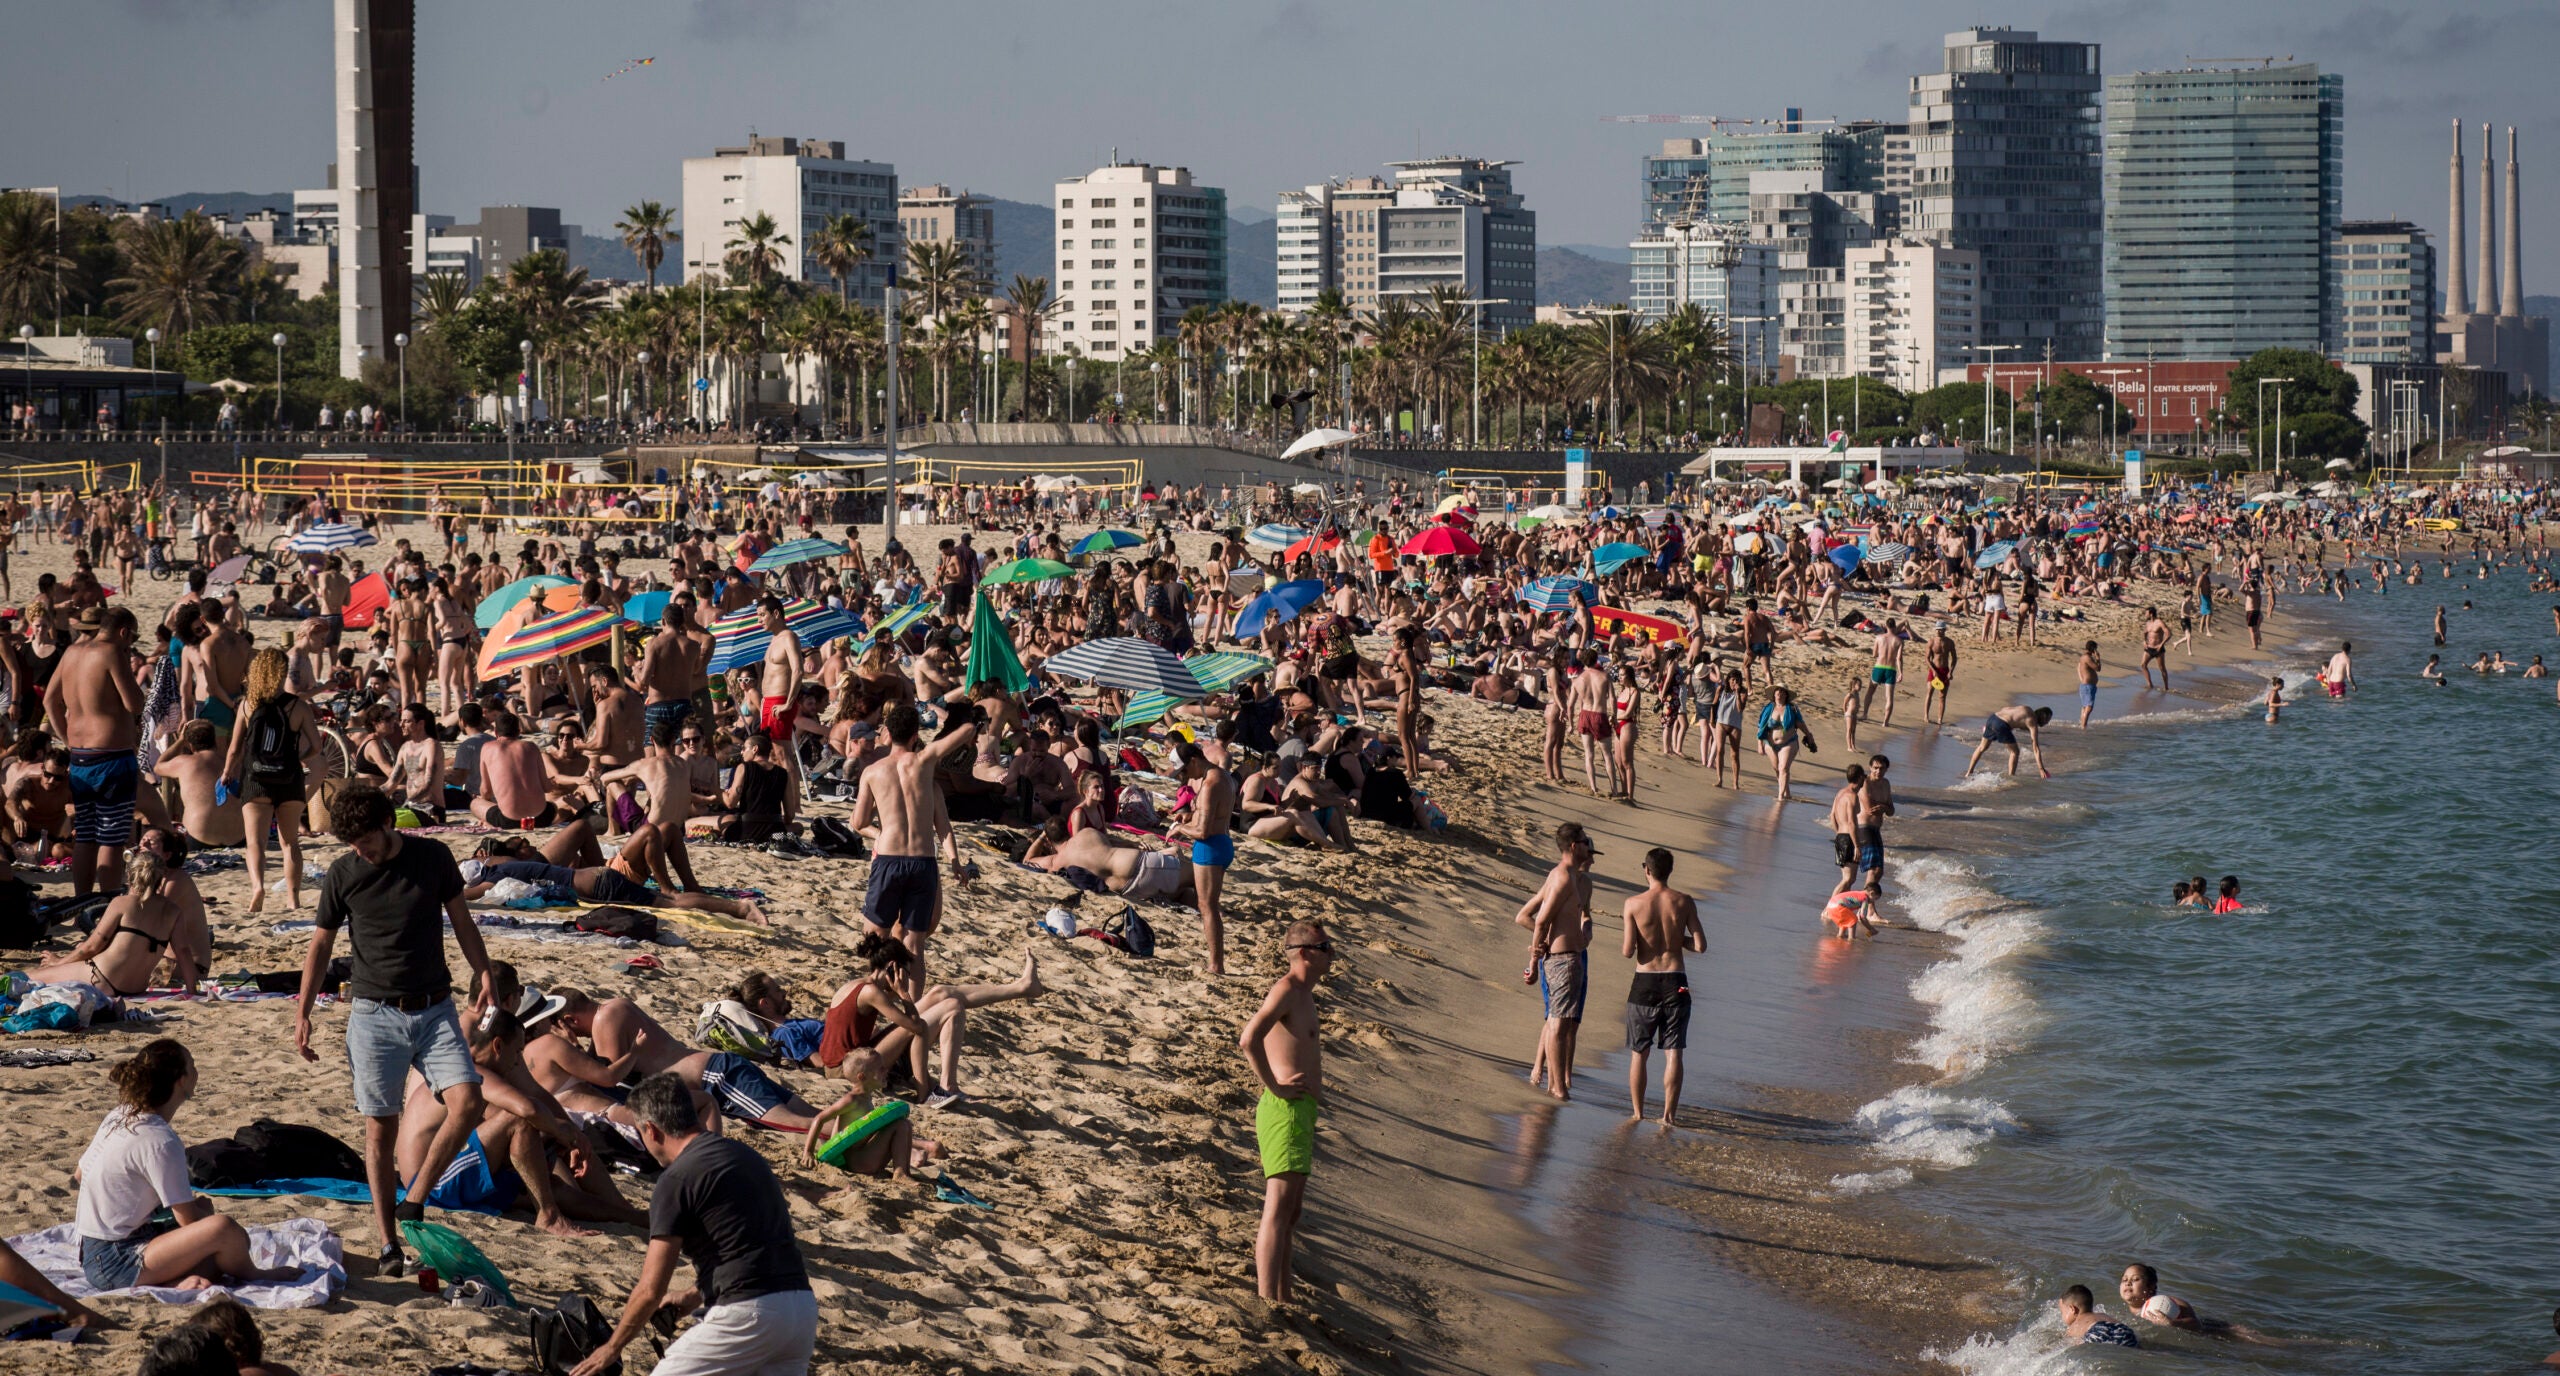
(147, 98)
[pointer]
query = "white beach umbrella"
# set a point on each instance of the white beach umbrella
(1314, 440)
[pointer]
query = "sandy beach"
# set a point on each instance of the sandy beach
(1110, 1121)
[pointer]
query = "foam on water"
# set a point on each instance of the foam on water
(1868, 1182)
(1986, 782)
(1931, 1127)
(2039, 1349)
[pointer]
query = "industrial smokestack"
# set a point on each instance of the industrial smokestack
(2486, 300)
(2511, 281)
(2457, 278)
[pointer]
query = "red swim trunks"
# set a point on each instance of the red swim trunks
(777, 718)
(1592, 724)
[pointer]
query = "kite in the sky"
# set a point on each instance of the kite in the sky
(632, 65)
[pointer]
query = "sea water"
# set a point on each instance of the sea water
(2333, 1116)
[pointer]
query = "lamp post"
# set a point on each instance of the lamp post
(27, 359)
(644, 391)
(278, 341)
(1475, 388)
(1156, 371)
(152, 337)
(2258, 419)
(1990, 370)
(1611, 315)
(889, 418)
(1747, 320)
(401, 342)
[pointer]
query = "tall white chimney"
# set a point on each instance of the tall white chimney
(2457, 277)
(2511, 280)
(2486, 301)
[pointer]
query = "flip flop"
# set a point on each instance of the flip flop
(947, 1191)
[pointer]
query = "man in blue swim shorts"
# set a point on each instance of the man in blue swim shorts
(1213, 801)
(94, 707)
(899, 806)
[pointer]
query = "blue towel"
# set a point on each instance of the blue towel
(798, 1039)
(351, 1191)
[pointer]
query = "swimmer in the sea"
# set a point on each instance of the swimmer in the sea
(2275, 696)
(2433, 670)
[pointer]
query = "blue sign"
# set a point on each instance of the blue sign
(2133, 456)
(1576, 455)
(702, 384)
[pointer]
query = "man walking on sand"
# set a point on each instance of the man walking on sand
(1661, 926)
(1560, 949)
(901, 797)
(394, 894)
(2155, 646)
(1279, 1042)
(2088, 669)
(94, 707)
(1213, 846)
(1886, 670)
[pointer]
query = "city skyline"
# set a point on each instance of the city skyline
(240, 91)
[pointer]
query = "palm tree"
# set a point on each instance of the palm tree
(441, 296)
(31, 261)
(1328, 323)
(756, 253)
(843, 244)
(555, 299)
(940, 273)
(647, 229)
(968, 325)
(176, 272)
(1032, 305)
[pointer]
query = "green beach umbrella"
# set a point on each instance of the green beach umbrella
(508, 598)
(1027, 571)
(1145, 709)
(1221, 670)
(991, 654)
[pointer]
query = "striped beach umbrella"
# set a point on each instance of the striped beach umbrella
(1245, 579)
(789, 552)
(1103, 542)
(562, 633)
(740, 638)
(1145, 710)
(1992, 554)
(893, 625)
(1220, 670)
(1127, 663)
(1554, 593)
(508, 598)
(1888, 553)
(1274, 536)
(1279, 606)
(330, 536)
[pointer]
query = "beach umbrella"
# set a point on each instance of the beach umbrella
(366, 598)
(1552, 512)
(1838, 485)
(894, 624)
(1027, 571)
(1307, 490)
(1554, 593)
(1323, 542)
(1220, 670)
(1991, 555)
(2335, 464)
(992, 658)
(1453, 502)
(2083, 530)
(1273, 536)
(1846, 557)
(1749, 542)
(506, 599)
(1103, 542)
(740, 637)
(1245, 578)
(1888, 553)
(1441, 540)
(791, 552)
(1741, 519)
(330, 536)
(1279, 606)
(1615, 555)
(1314, 440)
(1129, 664)
(549, 638)
(647, 608)
(227, 572)
(1145, 710)
(1655, 517)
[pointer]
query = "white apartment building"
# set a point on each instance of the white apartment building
(435, 250)
(1720, 271)
(1914, 311)
(1448, 222)
(801, 183)
(1137, 245)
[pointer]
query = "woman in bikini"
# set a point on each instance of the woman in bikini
(125, 948)
(454, 634)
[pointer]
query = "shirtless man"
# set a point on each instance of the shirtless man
(899, 806)
(196, 764)
(615, 739)
(734, 1084)
(2155, 646)
(2340, 673)
(665, 674)
(1587, 698)
(1846, 807)
(514, 784)
(1875, 803)
(1559, 922)
(1127, 869)
(512, 1147)
(1213, 848)
(668, 781)
(39, 809)
(1942, 676)
(1759, 643)
(94, 707)
(331, 588)
(780, 688)
(222, 669)
(2088, 668)
(1887, 669)
(1279, 1042)
(2002, 727)
(1661, 926)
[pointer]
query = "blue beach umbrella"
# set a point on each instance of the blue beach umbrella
(647, 608)
(1846, 557)
(1615, 555)
(1992, 554)
(1554, 593)
(1278, 607)
(791, 552)
(1103, 542)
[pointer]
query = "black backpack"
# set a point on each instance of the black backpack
(564, 1334)
(274, 746)
(639, 924)
(20, 925)
(294, 1152)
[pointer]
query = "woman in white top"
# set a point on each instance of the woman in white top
(135, 1167)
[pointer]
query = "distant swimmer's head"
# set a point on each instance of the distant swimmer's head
(2042, 715)
(2231, 886)
(2178, 891)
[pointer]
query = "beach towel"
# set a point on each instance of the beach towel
(310, 1187)
(306, 1243)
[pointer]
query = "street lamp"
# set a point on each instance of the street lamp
(1156, 370)
(1747, 320)
(2257, 447)
(27, 357)
(644, 391)
(1475, 389)
(278, 341)
(152, 337)
(401, 342)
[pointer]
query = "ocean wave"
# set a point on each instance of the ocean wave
(2039, 1349)
(1979, 1009)
(1932, 1127)
(1868, 1182)
(2174, 716)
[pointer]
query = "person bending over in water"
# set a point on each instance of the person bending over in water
(2081, 1319)
(2002, 727)
(2434, 670)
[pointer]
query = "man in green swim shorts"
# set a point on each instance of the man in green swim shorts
(1280, 1043)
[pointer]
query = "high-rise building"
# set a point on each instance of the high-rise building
(1138, 245)
(1721, 271)
(1914, 311)
(938, 214)
(1714, 174)
(801, 183)
(377, 182)
(1442, 222)
(2224, 189)
(1809, 224)
(2385, 276)
(2006, 147)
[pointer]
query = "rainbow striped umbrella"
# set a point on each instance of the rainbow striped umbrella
(740, 637)
(562, 634)
(895, 624)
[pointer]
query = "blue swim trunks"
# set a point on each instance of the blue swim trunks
(1219, 851)
(102, 784)
(741, 1089)
(2088, 695)
(472, 1184)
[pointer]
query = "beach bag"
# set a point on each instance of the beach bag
(274, 749)
(321, 796)
(565, 1333)
(20, 927)
(832, 835)
(1134, 931)
(292, 1151)
(728, 1025)
(223, 1162)
(639, 924)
